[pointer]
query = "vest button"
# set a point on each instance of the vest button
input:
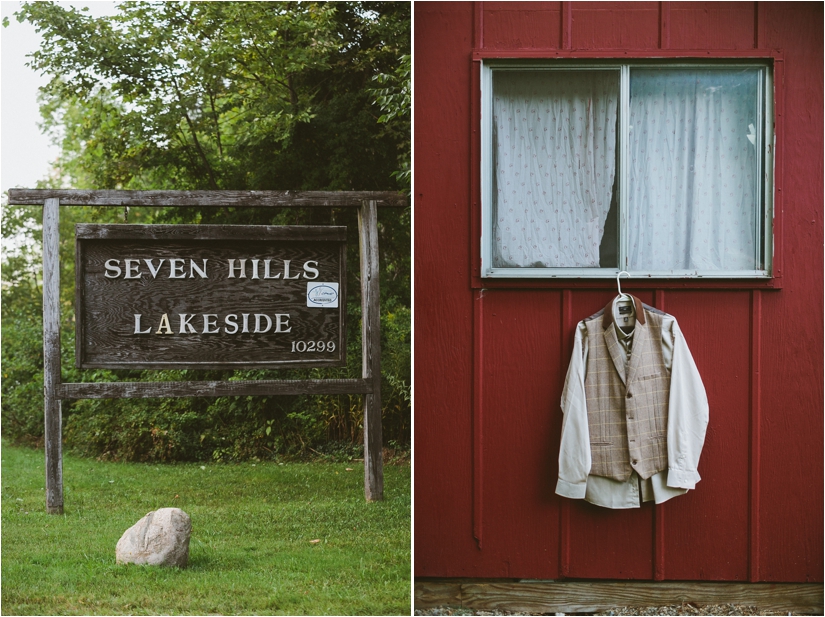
(629, 395)
(634, 461)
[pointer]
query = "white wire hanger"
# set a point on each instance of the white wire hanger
(625, 299)
(622, 296)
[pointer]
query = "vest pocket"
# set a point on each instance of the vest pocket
(601, 443)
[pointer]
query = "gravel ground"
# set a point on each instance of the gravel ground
(678, 609)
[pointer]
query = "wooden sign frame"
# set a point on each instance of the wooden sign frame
(55, 391)
(180, 274)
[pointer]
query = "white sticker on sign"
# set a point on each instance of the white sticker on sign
(322, 295)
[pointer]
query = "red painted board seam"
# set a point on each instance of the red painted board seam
(478, 435)
(778, 165)
(659, 542)
(756, 25)
(478, 313)
(567, 25)
(478, 15)
(659, 510)
(564, 515)
(475, 171)
(664, 25)
(755, 454)
(659, 299)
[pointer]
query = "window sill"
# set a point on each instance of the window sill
(637, 282)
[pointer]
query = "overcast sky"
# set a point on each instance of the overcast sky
(25, 153)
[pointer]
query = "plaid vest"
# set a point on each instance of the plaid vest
(627, 398)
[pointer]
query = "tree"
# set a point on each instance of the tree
(394, 97)
(216, 95)
(243, 96)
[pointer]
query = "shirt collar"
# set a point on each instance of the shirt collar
(607, 319)
(621, 334)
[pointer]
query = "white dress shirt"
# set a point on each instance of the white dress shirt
(687, 422)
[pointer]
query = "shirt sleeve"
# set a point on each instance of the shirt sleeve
(574, 454)
(687, 413)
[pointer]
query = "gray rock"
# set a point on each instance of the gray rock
(160, 538)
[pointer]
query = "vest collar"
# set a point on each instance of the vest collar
(627, 365)
(607, 318)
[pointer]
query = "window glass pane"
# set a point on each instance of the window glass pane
(693, 169)
(554, 157)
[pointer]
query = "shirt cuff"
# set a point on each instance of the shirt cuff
(571, 490)
(679, 478)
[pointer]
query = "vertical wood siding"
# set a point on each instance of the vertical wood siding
(628, 25)
(490, 363)
(790, 483)
(445, 308)
(712, 25)
(522, 25)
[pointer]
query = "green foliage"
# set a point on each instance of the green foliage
(251, 550)
(22, 342)
(240, 95)
(22, 366)
(223, 95)
(396, 337)
(394, 98)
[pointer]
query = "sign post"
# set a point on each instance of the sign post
(210, 297)
(53, 435)
(371, 351)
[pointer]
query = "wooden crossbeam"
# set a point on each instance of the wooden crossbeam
(183, 389)
(245, 199)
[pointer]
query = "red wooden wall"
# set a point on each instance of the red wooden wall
(490, 358)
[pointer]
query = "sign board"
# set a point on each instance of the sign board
(210, 296)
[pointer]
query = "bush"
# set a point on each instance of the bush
(22, 362)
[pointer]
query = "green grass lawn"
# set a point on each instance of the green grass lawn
(250, 552)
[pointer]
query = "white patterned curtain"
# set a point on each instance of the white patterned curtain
(692, 169)
(554, 143)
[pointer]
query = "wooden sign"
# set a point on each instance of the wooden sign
(210, 296)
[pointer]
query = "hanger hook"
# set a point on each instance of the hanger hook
(618, 282)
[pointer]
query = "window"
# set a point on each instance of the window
(662, 169)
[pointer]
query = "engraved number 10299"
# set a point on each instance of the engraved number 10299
(303, 346)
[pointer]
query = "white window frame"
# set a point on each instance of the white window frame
(765, 169)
